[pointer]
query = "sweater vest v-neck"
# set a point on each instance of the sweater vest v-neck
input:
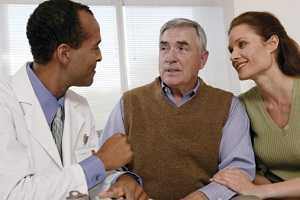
(176, 149)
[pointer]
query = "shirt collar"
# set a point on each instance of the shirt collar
(47, 100)
(167, 91)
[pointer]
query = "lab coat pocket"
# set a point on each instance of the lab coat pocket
(87, 143)
(84, 152)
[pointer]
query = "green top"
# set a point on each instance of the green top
(277, 148)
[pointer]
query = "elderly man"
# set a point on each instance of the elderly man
(182, 130)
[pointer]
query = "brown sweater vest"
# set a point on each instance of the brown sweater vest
(176, 150)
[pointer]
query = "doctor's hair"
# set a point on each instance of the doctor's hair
(183, 22)
(267, 25)
(52, 23)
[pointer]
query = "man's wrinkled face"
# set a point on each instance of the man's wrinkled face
(180, 57)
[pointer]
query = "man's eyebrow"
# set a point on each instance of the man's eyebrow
(182, 42)
(178, 42)
(163, 43)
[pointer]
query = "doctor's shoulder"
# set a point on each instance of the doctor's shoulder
(8, 99)
(6, 90)
(77, 107)
(77, 100)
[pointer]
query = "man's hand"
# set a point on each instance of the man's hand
(115, 152)
(125, 188)
(197, 195)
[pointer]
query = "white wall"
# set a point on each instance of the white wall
(287, 11)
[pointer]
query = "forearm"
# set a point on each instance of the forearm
(197, 195)
(285, 189)
(94, 170)
(216, 191)
(125, 187)
(117, 174)
(261, 180)
(236, 149)
(110, 179)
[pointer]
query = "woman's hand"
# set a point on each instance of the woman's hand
(238, 181)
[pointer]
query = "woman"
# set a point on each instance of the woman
(262, 51)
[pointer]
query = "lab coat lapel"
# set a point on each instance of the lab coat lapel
(73, 125)
(34, 115)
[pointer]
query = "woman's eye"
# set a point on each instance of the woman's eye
(242, 44)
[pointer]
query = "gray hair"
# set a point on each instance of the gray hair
(183, 22)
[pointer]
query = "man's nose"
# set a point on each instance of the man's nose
(171, 56)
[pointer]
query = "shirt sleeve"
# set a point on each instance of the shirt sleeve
(115, 124)
(235, 150)
(94, 170)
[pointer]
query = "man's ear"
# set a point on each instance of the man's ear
(63, 53)
(203, 59)
(272, 43)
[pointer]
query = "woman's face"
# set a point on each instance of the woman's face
(250, 54)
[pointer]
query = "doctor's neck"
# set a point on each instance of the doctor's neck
(52, 77)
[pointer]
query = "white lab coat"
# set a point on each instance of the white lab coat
(30, 165)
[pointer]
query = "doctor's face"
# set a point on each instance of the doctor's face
(180, 57)
(84, 59)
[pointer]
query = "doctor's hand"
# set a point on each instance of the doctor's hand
(115, 152)
(125, 188)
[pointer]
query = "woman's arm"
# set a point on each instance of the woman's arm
(240, 182)
(261, 180)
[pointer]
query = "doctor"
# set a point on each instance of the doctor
(47, 131)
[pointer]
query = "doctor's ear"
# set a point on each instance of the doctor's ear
(63, 53)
